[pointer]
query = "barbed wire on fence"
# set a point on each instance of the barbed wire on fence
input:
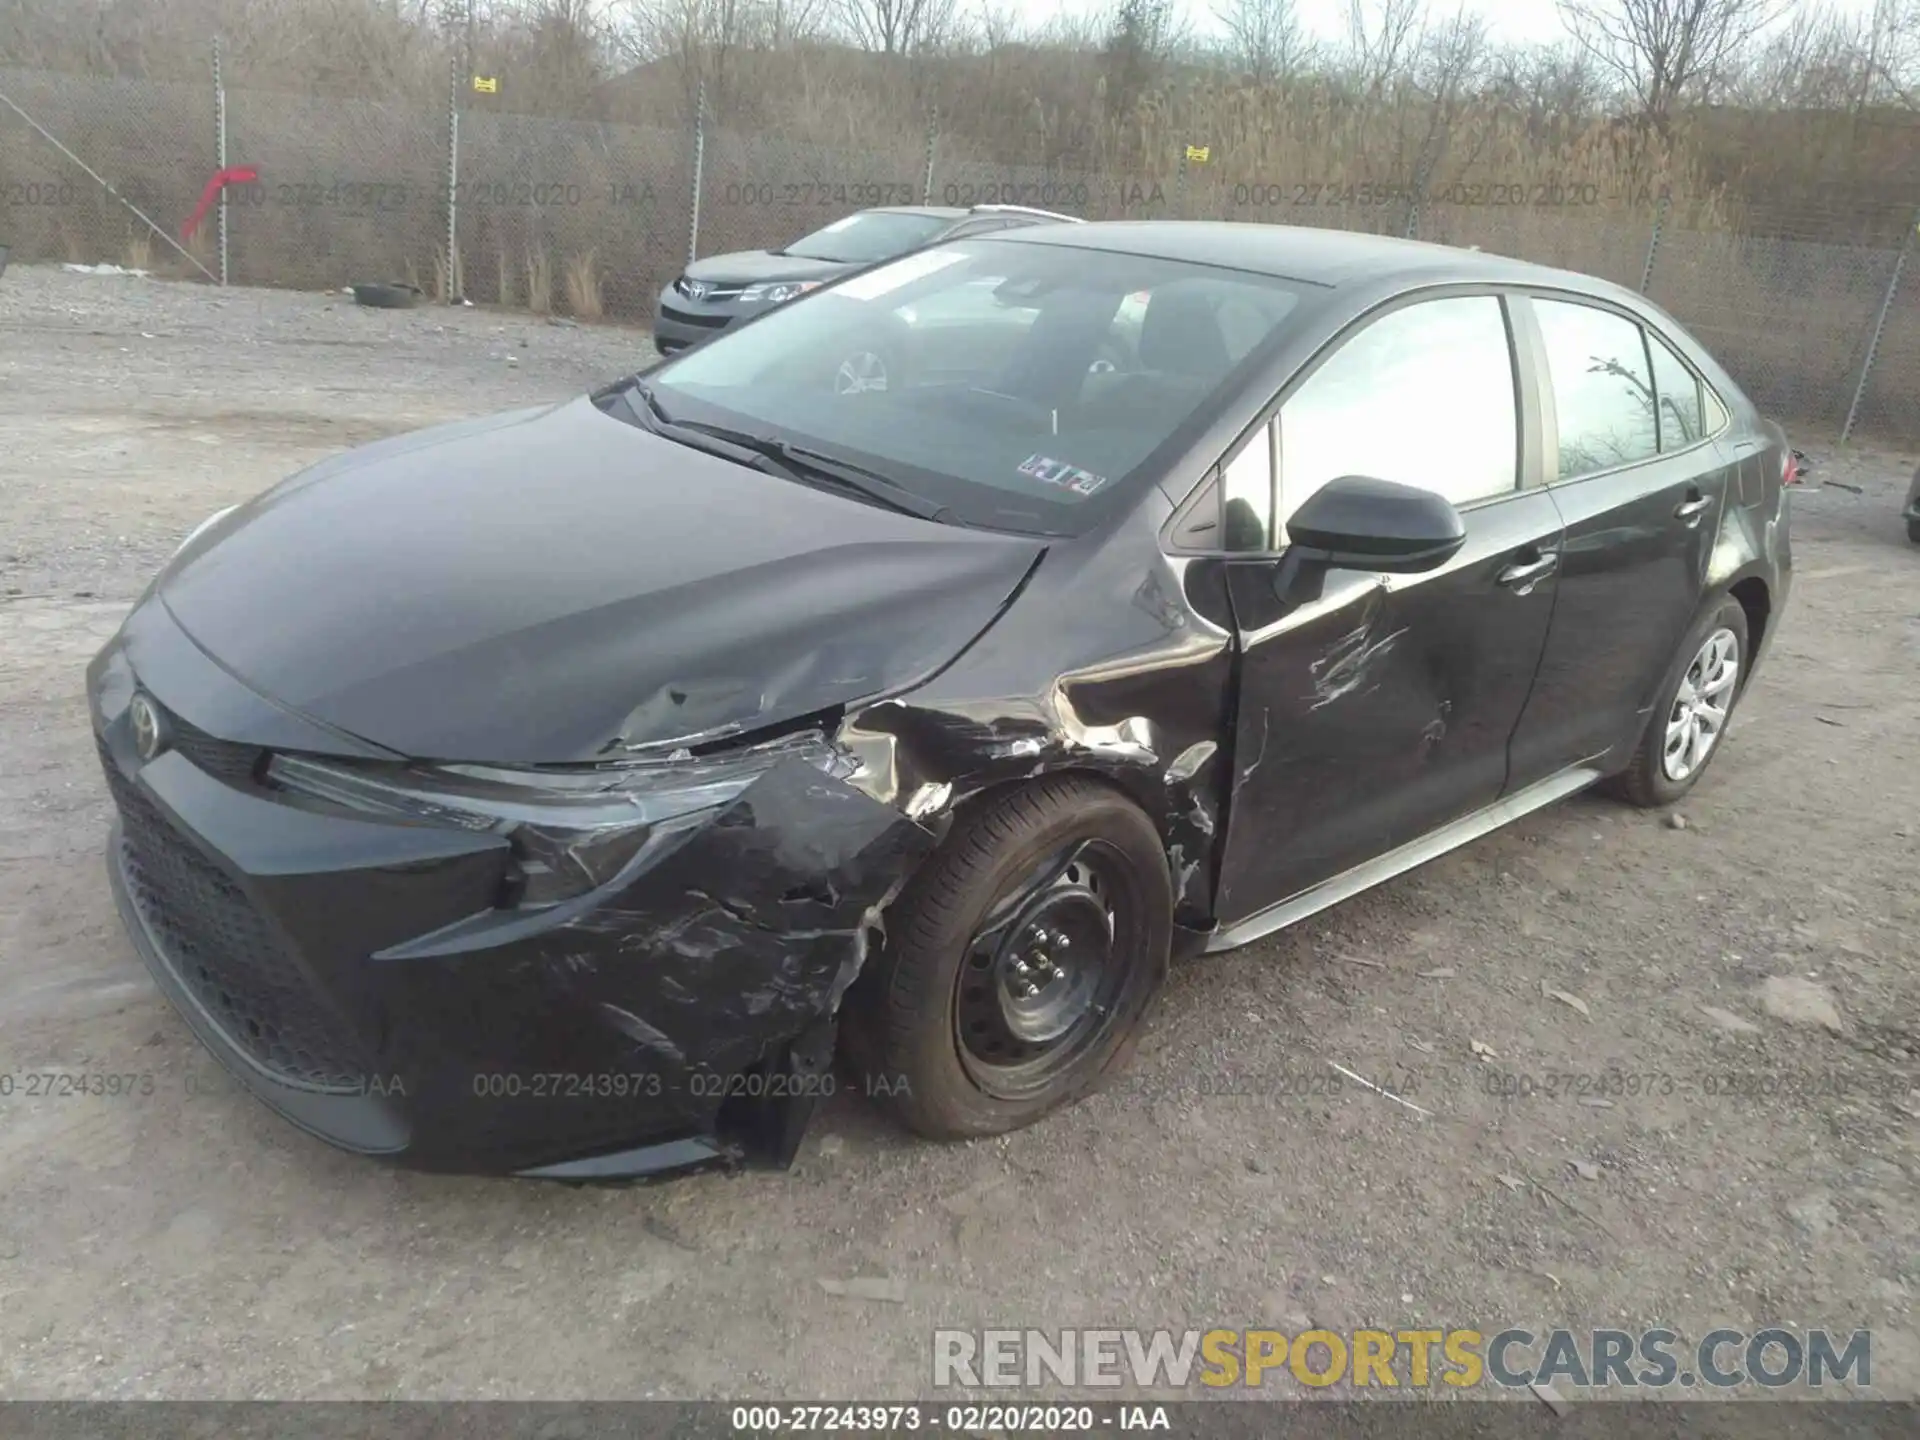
(593, 218)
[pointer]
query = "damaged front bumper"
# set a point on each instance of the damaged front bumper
(361, 977)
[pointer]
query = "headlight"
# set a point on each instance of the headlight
(776, 292)
(205, 525)
(572, 828)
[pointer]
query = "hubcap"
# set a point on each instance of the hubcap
(859, 373)
(1044, 972)
(1700, 705)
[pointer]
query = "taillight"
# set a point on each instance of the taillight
(1790, 469)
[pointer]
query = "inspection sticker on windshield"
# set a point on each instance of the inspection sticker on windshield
(1059, 472)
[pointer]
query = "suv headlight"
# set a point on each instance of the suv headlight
(572, 828)
(776, 291)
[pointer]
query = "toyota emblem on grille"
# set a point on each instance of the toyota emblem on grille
(149, 736)
(697, 289)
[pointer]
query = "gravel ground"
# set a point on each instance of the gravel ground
(186, 1243)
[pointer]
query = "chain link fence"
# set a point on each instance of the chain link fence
(465, 199)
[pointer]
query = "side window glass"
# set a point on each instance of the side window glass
(1602, 394)
(1678, 388)
(1422, 396)
(1247, 494)
(1714, 415)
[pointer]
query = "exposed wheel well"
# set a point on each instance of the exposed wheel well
(1752, 595)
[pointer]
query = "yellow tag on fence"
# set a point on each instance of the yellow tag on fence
(487, 84)
(1199, 154)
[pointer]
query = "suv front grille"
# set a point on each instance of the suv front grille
(225, 952)
(687, 317)
(711, 293)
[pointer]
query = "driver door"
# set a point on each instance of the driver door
(1375, 708)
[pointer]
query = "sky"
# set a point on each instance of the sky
(1514, 22)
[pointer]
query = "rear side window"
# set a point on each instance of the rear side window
(1603, 397)
(1678, 388)
(1422, 396)
(1716, 415)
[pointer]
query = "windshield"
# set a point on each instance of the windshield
(868, 236)
(1017, 386)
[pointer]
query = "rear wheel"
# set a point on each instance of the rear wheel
(1913, 531)
(1018, 964)
(1685, 730)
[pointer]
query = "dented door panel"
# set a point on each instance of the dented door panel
(1375, 708)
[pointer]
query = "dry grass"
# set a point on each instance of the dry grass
(447, 286)
(504, 295)
(539, 282)
(584, 300)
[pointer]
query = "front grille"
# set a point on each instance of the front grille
(712, 294)
(222, 759)
(684, 317)
(225, 952)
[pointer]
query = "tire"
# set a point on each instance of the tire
(395, 296)
(1913, 531)
(1649, 782)
(965, 924)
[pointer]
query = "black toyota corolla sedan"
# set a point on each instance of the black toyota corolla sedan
(557, 793)
(725, 290)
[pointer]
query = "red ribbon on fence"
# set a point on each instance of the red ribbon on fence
(232, 175)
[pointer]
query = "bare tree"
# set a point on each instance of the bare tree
(897, 27)
(1665, 52)
(997, 26)
(1546, 80)
(1380, 36)
(1891, 68)
(697, 37)
(1449, 60)
(1141, 37)
(1818, 59)
(1265, 38)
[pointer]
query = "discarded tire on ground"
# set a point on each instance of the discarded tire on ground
(390, 296)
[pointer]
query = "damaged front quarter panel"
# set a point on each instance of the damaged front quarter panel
(708, 973)
(1100, 666)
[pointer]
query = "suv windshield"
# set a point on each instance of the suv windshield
(1013, 385)
(868, 236)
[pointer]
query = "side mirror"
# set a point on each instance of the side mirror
(1359, 523)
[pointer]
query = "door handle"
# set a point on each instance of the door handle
(1523, 575)
(1692, 508)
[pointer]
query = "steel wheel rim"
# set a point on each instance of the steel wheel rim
(1698, 717)
(1048, 971)
(862, 372)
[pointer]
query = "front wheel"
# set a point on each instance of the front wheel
(1687, 725)
(1019, 962)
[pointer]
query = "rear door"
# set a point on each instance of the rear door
(1375, 708)
(1641, 487)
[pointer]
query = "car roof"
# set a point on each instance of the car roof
(1297, 252)
(939, 212)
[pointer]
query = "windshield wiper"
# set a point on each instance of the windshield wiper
(712, 439)
(779, 457)
(800, 463)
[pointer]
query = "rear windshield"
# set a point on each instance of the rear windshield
(869, 236)
(1022, 386)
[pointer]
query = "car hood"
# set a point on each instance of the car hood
(556, 585)
(749, 267)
